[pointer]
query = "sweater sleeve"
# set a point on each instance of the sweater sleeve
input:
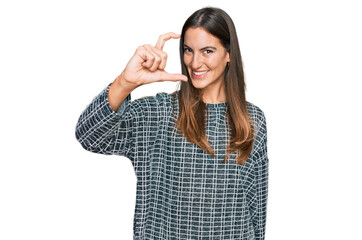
(102, 130)
(259, 193)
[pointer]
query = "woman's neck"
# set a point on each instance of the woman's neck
(214, 95)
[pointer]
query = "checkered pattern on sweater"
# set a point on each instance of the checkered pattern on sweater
(182, 192)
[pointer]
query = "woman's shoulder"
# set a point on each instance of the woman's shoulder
(255, 111)
(257, 115)
(158, 102)
(259, 124)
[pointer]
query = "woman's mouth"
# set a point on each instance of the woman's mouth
(199, 74)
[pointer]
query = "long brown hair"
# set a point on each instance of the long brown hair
(191, 117)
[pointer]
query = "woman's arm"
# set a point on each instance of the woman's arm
(258, 194)
(146, 66)
(102, 130)
(106, 125)
(261, 195)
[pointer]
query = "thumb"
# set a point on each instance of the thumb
(165, 76)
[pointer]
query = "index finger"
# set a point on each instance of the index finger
(164, 38)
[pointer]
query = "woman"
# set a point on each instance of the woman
(200, 154)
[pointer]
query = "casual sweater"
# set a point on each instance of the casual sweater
(182, 191)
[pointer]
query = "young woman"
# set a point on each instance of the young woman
(200, 154)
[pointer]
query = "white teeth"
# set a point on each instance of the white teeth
(199, 73)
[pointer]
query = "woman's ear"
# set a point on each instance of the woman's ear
(228, 57)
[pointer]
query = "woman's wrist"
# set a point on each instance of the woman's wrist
(124, 84)
(118, 92)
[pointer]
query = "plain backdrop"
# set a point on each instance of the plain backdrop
(303, 62)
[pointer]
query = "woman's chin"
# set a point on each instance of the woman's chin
(198, 84)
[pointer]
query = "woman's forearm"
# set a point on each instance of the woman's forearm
(118, 91)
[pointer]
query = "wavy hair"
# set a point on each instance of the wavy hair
(191, 117)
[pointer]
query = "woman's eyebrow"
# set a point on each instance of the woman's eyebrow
(208, 47)
(204, 48)
(185, 46)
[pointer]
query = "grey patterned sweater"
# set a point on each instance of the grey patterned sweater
(182, 192)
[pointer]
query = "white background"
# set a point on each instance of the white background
(303, 64)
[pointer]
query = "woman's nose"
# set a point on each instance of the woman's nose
(196, 62)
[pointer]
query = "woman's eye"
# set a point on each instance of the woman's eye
(208, 51)
(186, 50)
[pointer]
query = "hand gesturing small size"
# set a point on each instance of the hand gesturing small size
(148, 63)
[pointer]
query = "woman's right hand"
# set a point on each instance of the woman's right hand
(147, 65)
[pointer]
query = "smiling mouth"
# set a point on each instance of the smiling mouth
(199, 74)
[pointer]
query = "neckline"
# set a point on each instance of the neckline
(216, 105)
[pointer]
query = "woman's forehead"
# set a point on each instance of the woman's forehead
(198, 37)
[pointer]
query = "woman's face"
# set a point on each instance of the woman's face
(205, 58)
